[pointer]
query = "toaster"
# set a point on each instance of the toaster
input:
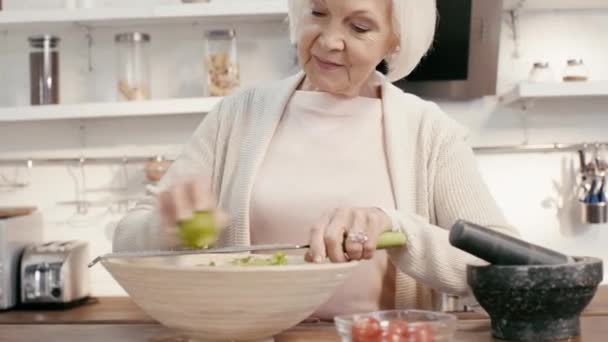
(55, 274)
(15, 234)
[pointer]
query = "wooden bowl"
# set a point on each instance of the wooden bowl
(226, 302)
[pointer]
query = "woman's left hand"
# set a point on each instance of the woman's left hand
(347, 234)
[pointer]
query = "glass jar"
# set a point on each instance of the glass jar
(541, 72)
(133, 79)
(44, 70)
(575, 71)
(221, 62)
(156, 168)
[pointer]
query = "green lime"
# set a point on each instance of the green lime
(200, 231)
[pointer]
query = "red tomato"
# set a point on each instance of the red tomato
(393, 338)
(366, 330)
(421, 332)
(398, 327)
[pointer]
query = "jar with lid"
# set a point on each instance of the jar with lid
(575, 71)
(222, 62)
(541, 72)
(133, 66)
(44, 70)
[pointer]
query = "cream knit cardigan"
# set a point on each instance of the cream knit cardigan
(433, 174)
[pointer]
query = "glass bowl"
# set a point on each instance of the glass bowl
(420, 326)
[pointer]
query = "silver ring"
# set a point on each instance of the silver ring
(358, 237)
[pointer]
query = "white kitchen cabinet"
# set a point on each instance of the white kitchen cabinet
(214, 11)
(555, 4)
(186, 106)
(528, 91)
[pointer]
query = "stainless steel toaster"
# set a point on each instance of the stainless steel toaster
(15, 234)
(55, 273)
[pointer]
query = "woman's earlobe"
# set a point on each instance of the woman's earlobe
(393, 52)
(389, 56)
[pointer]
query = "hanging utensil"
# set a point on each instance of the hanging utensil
(597, 188)
(582, 161)
(601, 196)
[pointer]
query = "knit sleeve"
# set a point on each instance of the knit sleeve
(140, 229)
(459, 192)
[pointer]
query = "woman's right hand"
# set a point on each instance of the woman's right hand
(179, 202)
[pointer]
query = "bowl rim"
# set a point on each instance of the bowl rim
(307, 266)
(579, 260)
(443, 317)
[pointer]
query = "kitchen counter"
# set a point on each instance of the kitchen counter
(119, 319)
(104, 310)
(595, 329)
(122, 310)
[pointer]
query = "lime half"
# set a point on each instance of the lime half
(200, 231)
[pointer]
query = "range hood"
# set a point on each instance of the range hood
(463, 62)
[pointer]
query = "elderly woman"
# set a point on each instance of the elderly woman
(335, 151)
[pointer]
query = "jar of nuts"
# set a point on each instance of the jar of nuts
(133, 66)
(575, 71)
(221, 62)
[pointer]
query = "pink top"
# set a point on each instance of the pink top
(328, 152)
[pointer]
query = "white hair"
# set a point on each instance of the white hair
(413, 22)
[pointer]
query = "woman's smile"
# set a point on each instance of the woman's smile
(326, 65)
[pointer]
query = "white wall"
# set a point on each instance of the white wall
(537, 191)
(534, 190)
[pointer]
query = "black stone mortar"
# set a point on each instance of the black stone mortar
(536, 302)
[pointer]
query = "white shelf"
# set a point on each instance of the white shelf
(224, 10)
(555, 4)
(530, 91)
(109, 110)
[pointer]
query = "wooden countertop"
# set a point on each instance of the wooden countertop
(122, 310)
(595, 329)
(103, 310)
(119, 319)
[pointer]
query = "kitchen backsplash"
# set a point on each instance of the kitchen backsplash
(534, 190)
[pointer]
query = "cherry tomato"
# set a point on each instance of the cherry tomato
(366, 330)
(398, 327)
(386, 337)
(421, 332)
